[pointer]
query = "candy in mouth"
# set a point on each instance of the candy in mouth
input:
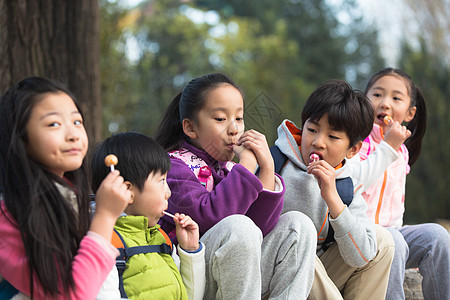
(313, 157)
(387, 120)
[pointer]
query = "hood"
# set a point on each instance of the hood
(289, 138)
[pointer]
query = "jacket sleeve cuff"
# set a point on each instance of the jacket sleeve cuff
(390, 152)
(278, 185)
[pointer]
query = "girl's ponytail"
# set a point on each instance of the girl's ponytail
(417, 126)
(169, 133)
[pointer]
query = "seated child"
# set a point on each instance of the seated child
(397, 101)
(355, 254)
(49, 249)
(143, 164)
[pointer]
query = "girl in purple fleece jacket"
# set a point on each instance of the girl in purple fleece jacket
(251, 252)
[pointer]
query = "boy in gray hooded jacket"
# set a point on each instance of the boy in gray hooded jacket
(355, 254)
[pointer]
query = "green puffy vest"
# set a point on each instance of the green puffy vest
(149, 275)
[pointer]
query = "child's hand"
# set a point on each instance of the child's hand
(187, 232)
(257, 142)
(111, 199)
(396, 134)
(247, 157)
(326, 178)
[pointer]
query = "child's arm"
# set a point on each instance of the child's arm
(92, 263)
(95, 257)
(192, 257)
(187, 232)
(257, 143)
(111, 199)
(354, 232)
(371, 167)
(326, 178)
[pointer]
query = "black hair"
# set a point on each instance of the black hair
(348, 110)
(50, 226)
(138, 156)
(418, 124)
(186, 105)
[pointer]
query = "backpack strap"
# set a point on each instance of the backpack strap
(167, 238)
(197, 165)
(279, 158)
(7, 290)
(126, 252)
(344, 188)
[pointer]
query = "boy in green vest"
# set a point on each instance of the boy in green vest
(152, 268)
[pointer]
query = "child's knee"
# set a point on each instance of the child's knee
(401, 246)
(241, 228)
(299, 222)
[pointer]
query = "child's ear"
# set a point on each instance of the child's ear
(131, 188)
(410, 114)
(189, 128)
(353, 150)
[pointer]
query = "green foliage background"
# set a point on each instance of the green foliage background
(277, 52)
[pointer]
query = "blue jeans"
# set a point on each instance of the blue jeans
(423, 246)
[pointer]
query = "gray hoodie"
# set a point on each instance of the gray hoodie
(353, 231)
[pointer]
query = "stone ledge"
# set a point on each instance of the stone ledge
(413, 285)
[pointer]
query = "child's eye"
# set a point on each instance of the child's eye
(219, 119)
(239, 119)
(334, 137)
(54, 124)
(397, 99)
(311, 129)
(78, 122)
(377, 95)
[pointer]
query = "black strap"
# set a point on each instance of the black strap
(7, 290)
(279, 158)
(126, 253)
(344, 188)
(120, 265)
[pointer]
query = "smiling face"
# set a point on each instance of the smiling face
(331, 145)
(151, 201)
(389, 96)
(56, 137)
(219, 124)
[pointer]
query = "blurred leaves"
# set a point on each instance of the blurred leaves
(277, 52)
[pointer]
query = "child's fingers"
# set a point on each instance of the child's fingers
(408, 133)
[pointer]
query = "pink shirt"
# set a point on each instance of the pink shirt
(386, 197)
(90, 267)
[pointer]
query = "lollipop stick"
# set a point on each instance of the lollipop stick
(169, 214)
(112, 168)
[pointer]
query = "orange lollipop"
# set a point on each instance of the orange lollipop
(110, 161)
(387, 120)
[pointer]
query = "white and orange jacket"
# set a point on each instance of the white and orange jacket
(385, 195)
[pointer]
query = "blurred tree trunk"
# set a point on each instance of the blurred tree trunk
(57, 39)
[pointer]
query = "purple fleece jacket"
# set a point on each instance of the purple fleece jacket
(235, 192)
